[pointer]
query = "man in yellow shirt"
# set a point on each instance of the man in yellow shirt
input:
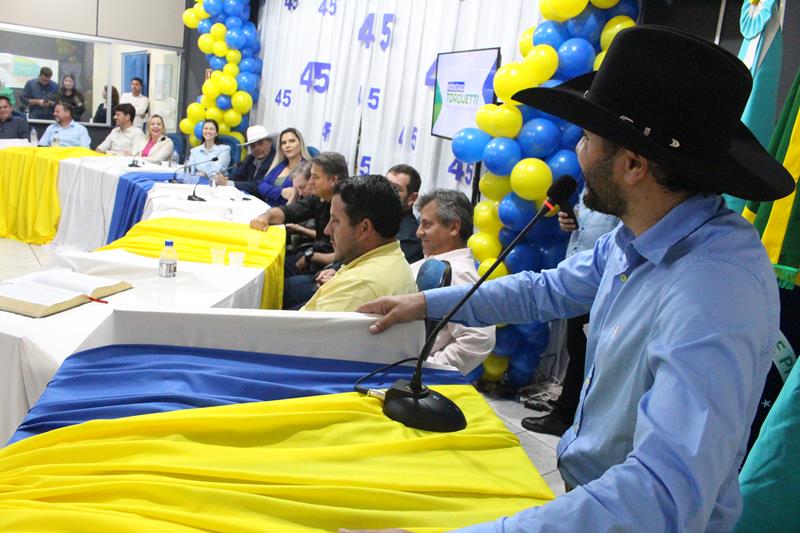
(365, 218)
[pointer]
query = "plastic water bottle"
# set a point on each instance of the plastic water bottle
(173, 160)
(34, 137)
(167, 274)
(55, 141)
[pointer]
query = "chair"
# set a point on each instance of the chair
(313, 151)
(179, 144)
(433, 273)
(236, 147)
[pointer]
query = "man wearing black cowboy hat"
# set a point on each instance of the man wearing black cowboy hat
(683, 301)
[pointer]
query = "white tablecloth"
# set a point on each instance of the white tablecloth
(222, 203)
(87, 188)
(31, 350)
(5, 143)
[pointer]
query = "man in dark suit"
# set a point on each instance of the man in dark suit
(249, 173)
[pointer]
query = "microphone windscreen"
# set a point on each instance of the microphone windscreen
(560, 191)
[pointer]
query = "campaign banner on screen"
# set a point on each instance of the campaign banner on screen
(463, 84)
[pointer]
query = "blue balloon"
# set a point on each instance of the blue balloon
(523, 257)
(204, 26)
(528, 112)
(506, 236)
(233, 22)
(535, 334)
(515, 212)
(249, 32)
(245, 13)
(468, 144)
(546, 232)
(552, 82)
(232, 7)
(246, 52)
(587, 25)
(629, 8)
(256, 46)
(550, 33)
(575, 57)
(570, 135)
(224, 102)
(507, 341)
(552, 255)
(259, 66)
(219, 18)
(247, 64)
(216, 62)
(199, 98)
(564, 162)
(213, 7)
(242, 127)
(501, 154)
(521, 368)
(198, 130)
(247, 81)
(539, 138)
(235, 38)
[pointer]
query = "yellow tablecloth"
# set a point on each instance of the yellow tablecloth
(299, 465)
(29, 208)
(194, 240)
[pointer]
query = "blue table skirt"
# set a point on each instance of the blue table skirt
(131, 196)
(127, 380)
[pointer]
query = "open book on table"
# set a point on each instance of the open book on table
(52, 291)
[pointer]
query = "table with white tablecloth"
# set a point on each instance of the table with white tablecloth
(31, 350)
(221, 203)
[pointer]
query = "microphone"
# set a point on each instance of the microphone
(134, 163)
(413, 404)
(567, 208)
(173, 179)
(193, 197)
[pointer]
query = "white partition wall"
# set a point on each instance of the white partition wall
(357, 73)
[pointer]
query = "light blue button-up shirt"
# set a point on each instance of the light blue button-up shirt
(73, 134)
(591, 226)
(683, 322)
(200, 153)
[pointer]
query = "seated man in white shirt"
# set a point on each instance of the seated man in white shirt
(65, 131)
(445, 224)
(126, 138)
(139, 101)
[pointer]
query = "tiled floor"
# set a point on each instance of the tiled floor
(18, 258)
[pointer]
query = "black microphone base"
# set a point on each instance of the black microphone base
(195, 198)
(426, 409)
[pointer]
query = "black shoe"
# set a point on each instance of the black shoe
(553, 423)
(544, 406)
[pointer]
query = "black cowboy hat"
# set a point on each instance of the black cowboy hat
(675, 99)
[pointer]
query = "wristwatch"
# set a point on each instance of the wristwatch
(308, 254)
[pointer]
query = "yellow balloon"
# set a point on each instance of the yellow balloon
(210, 88)
(200, 11)
(483, 118)
(242, 102)
(205, 43)
(224, 129)
(499, 272)
(190, 18)
(232, 118)
(598, 60)
(488, 221)
(566, 9)
(194, 141)
(220, 48)
(526, 41)
(230, 69)
(233, 56)
(549, 12)
(216, 75)
(506, 121)
(494, 367)
(195, 113)
(484, 245)
(218, 31)
(186, 126)
(612, 28)
(542, 61)
(494, 187)
(227, 84)
(604, 4)
(511, 78)
(531, 178)
(207, 102)
(215, 114)
(237, 135)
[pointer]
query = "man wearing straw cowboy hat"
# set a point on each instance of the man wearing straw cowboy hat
(253, 169)
(683, 301)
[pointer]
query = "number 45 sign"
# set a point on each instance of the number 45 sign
(315, 76)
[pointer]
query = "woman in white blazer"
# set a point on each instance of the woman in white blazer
(159, 147)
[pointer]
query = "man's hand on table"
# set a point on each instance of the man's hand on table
(395, 309)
